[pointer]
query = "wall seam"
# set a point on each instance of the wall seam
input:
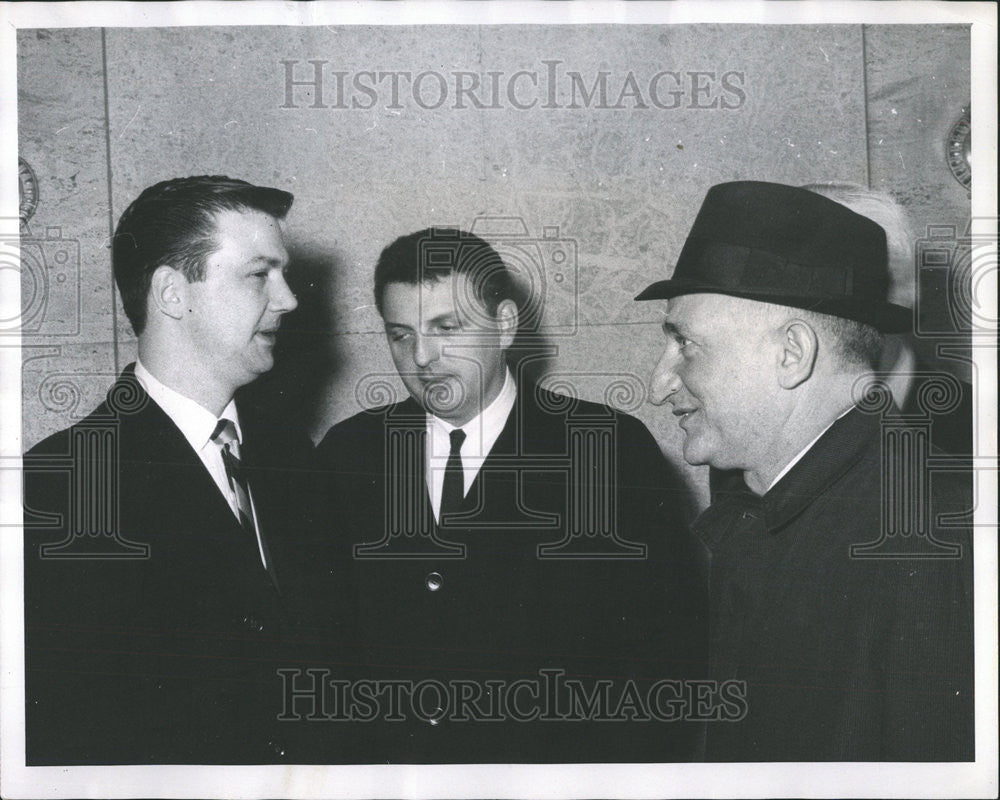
(111, 217)
(864, 89)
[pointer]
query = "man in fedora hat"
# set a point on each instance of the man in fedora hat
(845, 608)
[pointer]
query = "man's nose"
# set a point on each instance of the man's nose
(664, 382)
(283, 299)
(425, 350)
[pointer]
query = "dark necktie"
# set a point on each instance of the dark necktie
(453, 490)
(225, 437)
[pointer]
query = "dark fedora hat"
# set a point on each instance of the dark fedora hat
(785, 245)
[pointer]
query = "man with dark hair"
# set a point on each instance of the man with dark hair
(154, 526)
(498, 530)
(839, 593)
(175, 222)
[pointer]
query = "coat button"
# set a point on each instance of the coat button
(434, 581)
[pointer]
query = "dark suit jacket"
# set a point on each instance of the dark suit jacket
(855, 641)
(481, 598)
(154, 635)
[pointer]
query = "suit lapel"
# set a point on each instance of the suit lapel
(505, 446)
(150, 437)
(530, 436)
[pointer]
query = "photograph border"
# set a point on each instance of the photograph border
(976, 779)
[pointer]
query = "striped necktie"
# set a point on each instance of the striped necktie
(225, 437)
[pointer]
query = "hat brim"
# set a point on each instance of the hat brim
(884, 317)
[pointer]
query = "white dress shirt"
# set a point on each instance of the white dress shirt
(481, 433)
(197, 424)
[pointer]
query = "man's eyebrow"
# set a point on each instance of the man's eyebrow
(449, 316)
(271, 262)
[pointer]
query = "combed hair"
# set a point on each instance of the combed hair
(433, 254)
(173, 223)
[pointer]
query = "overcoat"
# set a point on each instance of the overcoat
(843, 599)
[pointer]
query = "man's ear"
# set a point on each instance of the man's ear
(168, 291)
(507, 320)
(799, 347)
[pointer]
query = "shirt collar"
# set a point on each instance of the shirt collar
(482, 430)
(195, 422)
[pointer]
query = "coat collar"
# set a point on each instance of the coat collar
(524, 432)
(848, 440)
(148, 435)
(127, 399)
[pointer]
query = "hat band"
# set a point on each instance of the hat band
(737, 268)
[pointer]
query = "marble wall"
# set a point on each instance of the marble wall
(593, 141)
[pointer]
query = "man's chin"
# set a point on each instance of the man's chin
(257, 367)
(696, 454)
(453, 414)
(442, 398)
(703, 457)
(264, 365)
